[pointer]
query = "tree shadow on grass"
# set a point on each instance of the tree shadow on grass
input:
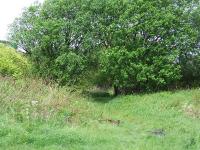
(99, 96)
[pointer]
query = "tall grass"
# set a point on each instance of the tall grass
(36, 115)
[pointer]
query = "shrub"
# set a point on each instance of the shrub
(12, 63)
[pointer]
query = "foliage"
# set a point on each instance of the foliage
(7, 43)
(68, 67)
(128, 71)
(191, 63)
(158, 43)
(149, 49)
(23, 29)
(12, 63)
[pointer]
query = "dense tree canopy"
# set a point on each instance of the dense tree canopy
(133, 45)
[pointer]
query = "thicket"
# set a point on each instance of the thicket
(132, 45)
(12, 63)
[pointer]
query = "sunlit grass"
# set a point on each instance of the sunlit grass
(39, 116)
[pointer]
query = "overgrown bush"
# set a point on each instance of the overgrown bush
(12, 63)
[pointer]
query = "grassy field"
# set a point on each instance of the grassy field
(39, 116)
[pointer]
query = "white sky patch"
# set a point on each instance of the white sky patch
(9, 10)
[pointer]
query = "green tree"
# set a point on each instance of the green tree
(143, 44)
(149, 48)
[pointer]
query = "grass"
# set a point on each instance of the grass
(39, 116)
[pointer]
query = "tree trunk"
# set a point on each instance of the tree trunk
(116, 91)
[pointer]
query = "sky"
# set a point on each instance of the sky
(9, 10)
